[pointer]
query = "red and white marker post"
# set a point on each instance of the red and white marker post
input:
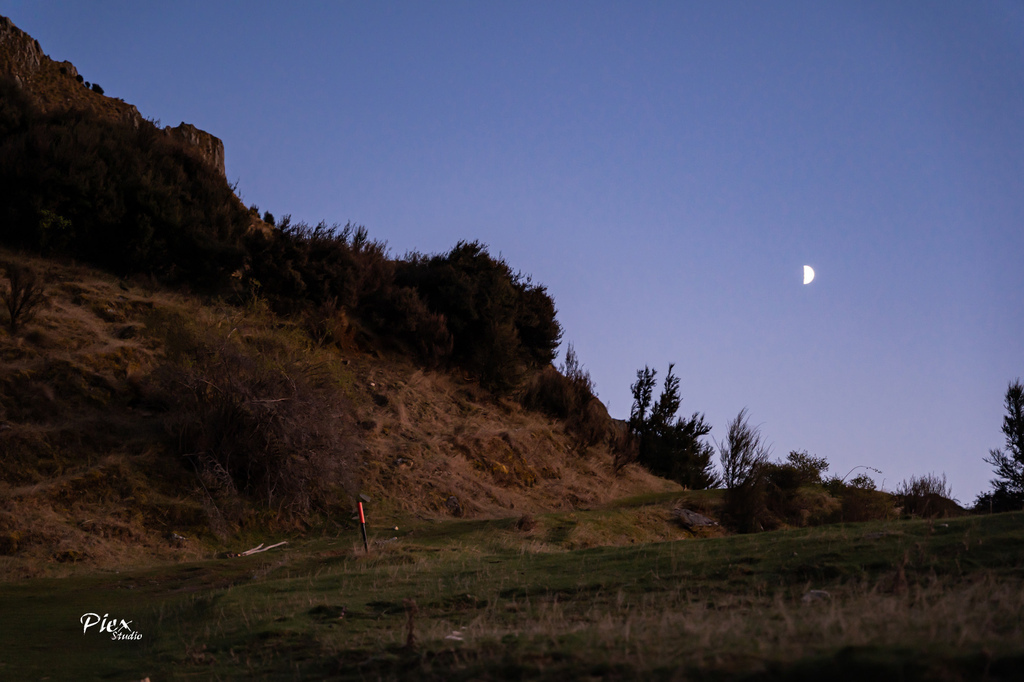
(362, 525)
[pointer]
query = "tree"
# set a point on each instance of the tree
(1008, 464)
(744, 458)
(807, 467)
(666, 445)
(643, 391)
(23, 295)
(743, 454)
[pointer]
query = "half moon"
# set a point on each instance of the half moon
(808, 274)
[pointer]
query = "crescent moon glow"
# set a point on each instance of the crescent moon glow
(808, 274)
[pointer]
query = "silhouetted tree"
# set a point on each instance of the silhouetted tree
(1008, 464)
(666, 445)
(643, 393)
(743, 453)
(744, 458)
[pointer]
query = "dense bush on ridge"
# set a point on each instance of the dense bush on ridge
(464, 307)
(501, 322)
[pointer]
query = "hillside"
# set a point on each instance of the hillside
(90, 467)
(308, 370)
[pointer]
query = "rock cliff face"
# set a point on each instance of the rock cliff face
(20, 55)
(208, 146)
(58, 85)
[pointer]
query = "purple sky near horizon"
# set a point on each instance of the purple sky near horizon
(665, 169)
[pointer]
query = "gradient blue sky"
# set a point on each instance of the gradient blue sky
(665, 169)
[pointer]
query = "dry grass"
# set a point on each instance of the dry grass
(678, 629)
(495, 457)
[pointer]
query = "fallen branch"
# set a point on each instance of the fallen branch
(260, 548)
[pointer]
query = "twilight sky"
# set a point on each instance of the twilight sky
(665, 169)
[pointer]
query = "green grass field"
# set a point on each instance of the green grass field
(906, 600)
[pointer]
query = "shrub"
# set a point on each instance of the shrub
(55, 232)
(97, 89)
(23, 296)
(744, 457)
(550, 392)
(929, 484)
(784, 481)
(400, 314)
(254, 421)
(569, 395)
(858, 498)
(863, 504)
(808, 468)
(502, 325)
(997, 500)
(743, 454)
(862, 482)
(927, 496)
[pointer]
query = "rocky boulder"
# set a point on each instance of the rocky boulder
(691, 519)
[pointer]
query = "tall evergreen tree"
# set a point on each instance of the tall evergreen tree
(1008, 464)
(667, 445)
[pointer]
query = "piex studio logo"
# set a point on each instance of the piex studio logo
(119, 629)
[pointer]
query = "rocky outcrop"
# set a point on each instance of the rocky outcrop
(22, 58)
(209, 147)
(57, 86)
(20, 55)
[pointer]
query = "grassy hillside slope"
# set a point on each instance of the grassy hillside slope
(95, 402)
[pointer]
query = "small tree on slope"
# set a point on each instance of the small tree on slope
(1008, 464)
(669, 446)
